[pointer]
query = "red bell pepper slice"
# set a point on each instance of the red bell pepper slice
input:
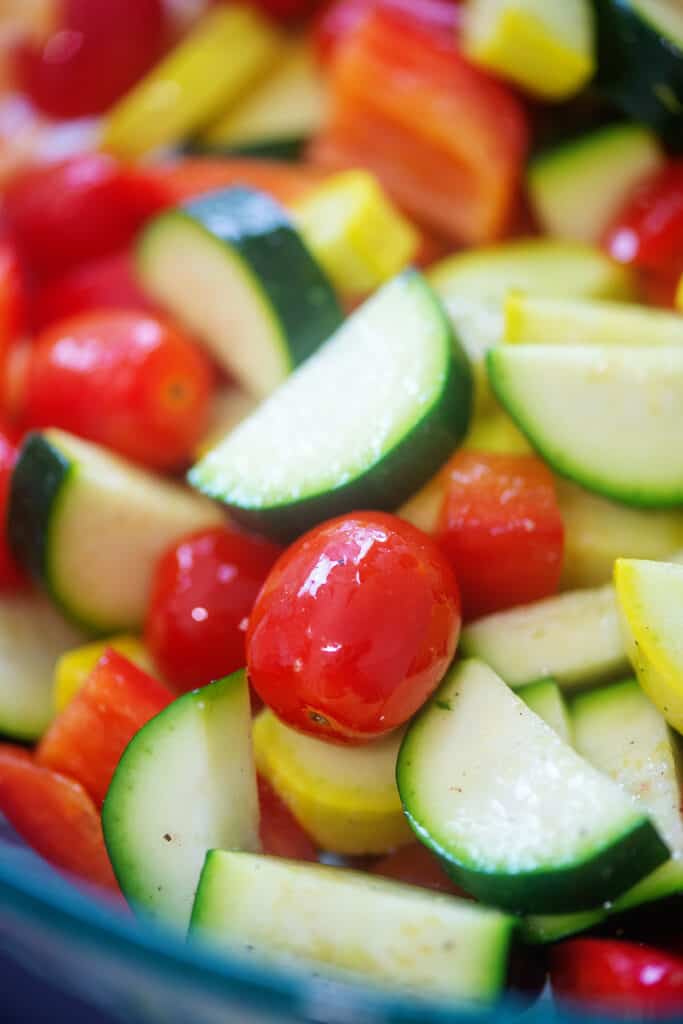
(55, 816)
(446, 140)
(86, 740)
(340, 18)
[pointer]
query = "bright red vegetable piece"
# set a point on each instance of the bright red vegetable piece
(12, 297)
(64, 214)
(416, 865)
(354, 627)
(501, 529)
(446, 140)
(93, 53)
(339, 19)
(55, 816)
(203, 592)
(186, 179)
(86, 740)
(617, 977)
(281, 833)
(11, 575)
(129, 381)
(648, 232)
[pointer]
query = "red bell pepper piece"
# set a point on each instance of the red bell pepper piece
(501, 528)
(446, 140)
(617, 977)
(86, 740)
(189, 178)
(55, 816)
(281, 833)
(339, 19)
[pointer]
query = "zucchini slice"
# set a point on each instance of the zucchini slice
(185, 783)
(231, 266)
(363, 424)
(422, 942)
(602, 416)
(554, 321)
(577, 188)
(545, 699)
(517, 817)
(90, 527)
(344, 797)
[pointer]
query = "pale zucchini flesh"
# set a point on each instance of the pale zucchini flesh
(553, 321)
(545, 699)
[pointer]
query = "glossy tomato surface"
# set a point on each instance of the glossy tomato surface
(648, 232)
(354, 628)
(203, 592)
(501, 529)
(11, 575)
(125, 380)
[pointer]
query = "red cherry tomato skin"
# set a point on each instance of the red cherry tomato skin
(68, 213)
(124, 380)
(617, 977)
(416, 865)
(12, 296)
(108, 283)
(281, 833)
(96, 51)
(648, 232)
(338, 20)
(11, 576)
(284, 10)
(203, 592)
(501, 529)
(354, 627)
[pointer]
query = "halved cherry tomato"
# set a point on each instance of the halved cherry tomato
(94, 52)
(86, 740)
(446, 140)
(617, 977)
(203, 592)
(281, 833)
(63, 214)
(55, 816)
(340, 18)
(416, 865)
(125, 380)
(501, 529)
(186, 179)
(354, 627)
(648, 232)
(107, 283)
(11, 576)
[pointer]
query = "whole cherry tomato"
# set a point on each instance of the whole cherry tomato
(501, 529)
(354, 628)
(203, 592)
(93, 53)
(64, 214)
(648, 231)
(11, 576)
(12, 297)
(124, 380)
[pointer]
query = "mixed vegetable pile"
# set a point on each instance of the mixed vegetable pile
(341, 563)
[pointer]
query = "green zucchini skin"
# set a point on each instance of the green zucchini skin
(287, 148)
(640, 69)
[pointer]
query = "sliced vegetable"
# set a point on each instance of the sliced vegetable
(416, 865)
(184, 784)
(360, 238)
(345, 798)
(86, 740)
(339, 19)
(229, 406)
(33, 635)
(544, 48)
(55, 816)
(446, 141)
(370, 453)
(578, 188)
(545, 699)
(574, 638)
(427, 942)
(650, 596)
(231, 267)
(549, 833)
(187, 179)
(225, 52)
(66, 493)
(74, 666)
(546, 321)
(630, 402)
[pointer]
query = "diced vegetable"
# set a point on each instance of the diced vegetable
(231, 266)
(545, 321)
(427, 942)
(340, 18)
(544, 48)
(578, 188)
(67, 493)
(545, 699)
(185, 784)
(547, 834)
(372, 452)
(212, 66)
(344, 797)
(630, 402)
(74, 666)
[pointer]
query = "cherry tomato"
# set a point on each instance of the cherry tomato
(338, 20)
(11, 576)
(501, 529)
(285, 10)
(648, 232)
(80, 209)
(416, 865)
(281, 833)
(203, 592)
(12, 298)
(617, 977)
(124, 380)
(354, 628)
(107, 283)
(93, 53)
